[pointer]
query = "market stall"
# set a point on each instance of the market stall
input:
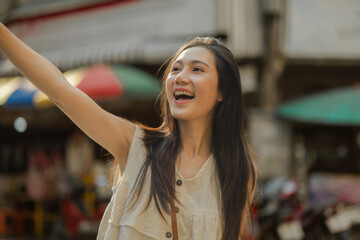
(318, 198)
(54, 180)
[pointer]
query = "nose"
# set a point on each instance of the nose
(182, 78)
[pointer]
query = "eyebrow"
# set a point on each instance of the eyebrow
(193, 62)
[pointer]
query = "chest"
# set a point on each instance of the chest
(190, 167)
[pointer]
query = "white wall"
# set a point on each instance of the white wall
(323, 29)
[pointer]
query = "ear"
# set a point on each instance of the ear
(219, 97)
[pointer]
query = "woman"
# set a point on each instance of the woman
(191, 178)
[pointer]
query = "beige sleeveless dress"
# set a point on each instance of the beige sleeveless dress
(198, 217)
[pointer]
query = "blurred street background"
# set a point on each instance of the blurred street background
(299, 63)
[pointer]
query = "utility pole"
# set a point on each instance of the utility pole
(274, 60)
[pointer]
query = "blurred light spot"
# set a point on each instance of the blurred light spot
(342, 150)
(101, 180)
(20, 124)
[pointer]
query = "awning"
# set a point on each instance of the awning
(129, 51)
(334, 107)
(100, 82)
(131, 31)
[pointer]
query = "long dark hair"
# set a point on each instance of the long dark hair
(234, 164)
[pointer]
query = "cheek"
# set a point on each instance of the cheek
(168, 87)
(209, 93)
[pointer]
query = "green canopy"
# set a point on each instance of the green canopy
(137, 84)
(339, 106)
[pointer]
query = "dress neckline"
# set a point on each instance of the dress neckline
(204, 166)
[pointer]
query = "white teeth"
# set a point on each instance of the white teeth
(178, 93)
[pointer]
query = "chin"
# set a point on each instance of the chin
(180, 117)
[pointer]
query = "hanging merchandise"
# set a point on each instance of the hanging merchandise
(79, 155)
(63, 183)
(42, 175)
(36, 180)
(101, 171)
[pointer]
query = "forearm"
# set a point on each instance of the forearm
(33, 66)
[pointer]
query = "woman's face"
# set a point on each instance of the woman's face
(192, 85)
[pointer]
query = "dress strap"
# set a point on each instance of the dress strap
(173, 220)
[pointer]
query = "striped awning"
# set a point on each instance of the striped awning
(99, 81)
(131, 51)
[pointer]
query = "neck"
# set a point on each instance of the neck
(195, 138)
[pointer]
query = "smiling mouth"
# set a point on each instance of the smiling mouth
(183, 95)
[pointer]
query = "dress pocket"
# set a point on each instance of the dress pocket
(137, 220)
(199, 226)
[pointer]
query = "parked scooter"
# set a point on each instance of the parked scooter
(281, 210)
(332, 213)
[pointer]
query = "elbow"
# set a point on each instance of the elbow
(59, 96)
(55, 100)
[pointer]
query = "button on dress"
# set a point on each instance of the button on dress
(197, 216)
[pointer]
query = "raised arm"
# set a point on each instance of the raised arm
(108, 130)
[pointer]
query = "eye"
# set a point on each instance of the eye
(197, 69)
(175, 69)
